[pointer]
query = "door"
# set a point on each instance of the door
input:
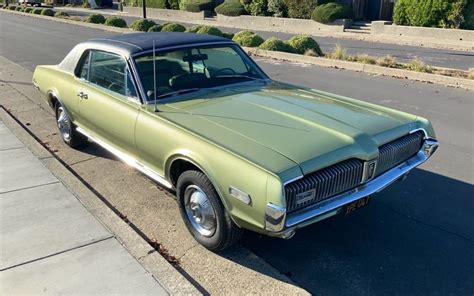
(373, 10)
(108, 102)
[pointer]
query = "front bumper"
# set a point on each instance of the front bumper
(332, 206)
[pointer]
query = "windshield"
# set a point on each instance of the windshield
(195, 68)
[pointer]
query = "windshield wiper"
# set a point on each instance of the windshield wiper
(240, 76)
(178, 92)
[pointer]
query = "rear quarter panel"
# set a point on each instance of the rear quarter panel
(53, 81)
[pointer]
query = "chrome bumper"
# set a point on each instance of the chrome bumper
(332, 206)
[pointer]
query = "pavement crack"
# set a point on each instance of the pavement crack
(30, 187)
(60, 252)
(427, 224)
(81, 161)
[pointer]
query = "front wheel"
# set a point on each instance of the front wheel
(203, 212)
(67, 129)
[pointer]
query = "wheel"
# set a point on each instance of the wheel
(203, 212)
(67, 130)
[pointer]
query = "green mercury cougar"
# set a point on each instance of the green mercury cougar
(242, 151)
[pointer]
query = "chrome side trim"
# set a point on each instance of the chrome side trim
(293, 180)
(312, 214)
(128, 159)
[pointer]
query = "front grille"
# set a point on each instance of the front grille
(396, 152)
(323, 184)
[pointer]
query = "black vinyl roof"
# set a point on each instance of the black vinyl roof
(135, 43)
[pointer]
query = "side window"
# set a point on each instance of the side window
(110, 71)
(82, 71)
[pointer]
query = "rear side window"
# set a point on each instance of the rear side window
(110, 72)
(84, 72)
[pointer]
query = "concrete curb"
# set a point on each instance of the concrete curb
(318, 61)
(365, 68)
(152, 261)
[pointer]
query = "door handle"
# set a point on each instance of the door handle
(82, 95)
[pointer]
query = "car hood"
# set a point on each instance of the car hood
(308, 127)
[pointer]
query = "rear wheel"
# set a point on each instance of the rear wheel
(203, 212)
(67, 129)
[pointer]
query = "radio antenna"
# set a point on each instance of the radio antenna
(154, 75)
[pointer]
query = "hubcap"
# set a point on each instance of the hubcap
(64, 124)
(199, 210)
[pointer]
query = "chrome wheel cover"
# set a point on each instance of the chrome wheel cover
(64, 124)
(199, 210)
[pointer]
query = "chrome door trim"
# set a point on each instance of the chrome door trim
(127, 159)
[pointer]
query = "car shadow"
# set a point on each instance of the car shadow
(416, 237)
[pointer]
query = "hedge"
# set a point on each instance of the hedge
(277, 8)
(28, 9)
(330, 12)
(173, 28)
(19, 8)
(210, 30)
(48, 12)
(194, 29)
(302, 44)
(275, 44)
(434, 13)
(155, 28)
(197, 5)
(142, 25)
(230, 8)
(256, 7)
(12, 7)
(95, 18)
(114, 21)
(162, 4)
(300, 9)
(247, 38)
(37, 10)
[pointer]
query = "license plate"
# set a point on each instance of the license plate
(357, 204)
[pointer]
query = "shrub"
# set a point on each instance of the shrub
(433, 13)
(61, 14)
(255, 7)
(330, 12)
(162, 4)
(114, 21)
(85, 4)
(12, 7)
(210, 30)
(28, 9)
(275, 44)
(173, 28)
(19, 8)
(301, 44)
(387, 61)
(197, 5)
(247, 38)
(155, 28)
(300, 9)
(231, 8)
(37, 10)
(48, 12)
(228, 35)
(277, 8)
(142, 25)
(95, 18)
(194, 29)
(173, 4)
(418, 66)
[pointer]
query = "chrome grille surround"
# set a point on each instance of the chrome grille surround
(397, 151)
(323, 184)
(348, 174)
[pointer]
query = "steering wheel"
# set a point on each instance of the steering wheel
(225, 71)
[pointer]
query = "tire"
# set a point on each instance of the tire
(197, 197)
(67, 130)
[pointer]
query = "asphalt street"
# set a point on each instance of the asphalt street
(415, 238)
(435, 57)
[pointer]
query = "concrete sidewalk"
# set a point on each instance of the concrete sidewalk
(49, 243)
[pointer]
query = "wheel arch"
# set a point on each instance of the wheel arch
(179, 163)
